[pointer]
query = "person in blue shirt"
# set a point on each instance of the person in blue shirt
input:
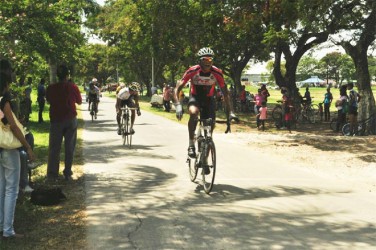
(328, 98)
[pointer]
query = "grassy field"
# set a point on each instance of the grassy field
(63, 226)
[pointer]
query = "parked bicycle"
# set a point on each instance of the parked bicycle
(126, 126)
(364, 127)
(301, 114)
(206, 157)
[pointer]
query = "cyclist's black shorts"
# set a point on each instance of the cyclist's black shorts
(93, 97)
(129, 102)
(205, 104)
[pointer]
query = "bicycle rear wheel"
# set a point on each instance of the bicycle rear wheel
(208, 176)
(311, 117)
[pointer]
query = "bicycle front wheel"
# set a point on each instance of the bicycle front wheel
(92, 111)
(193, 169)
(346, 129)
(124, 129)
(209, 168)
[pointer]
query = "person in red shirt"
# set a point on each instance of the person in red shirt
(62, 97)
(243, 98)
(203, 77)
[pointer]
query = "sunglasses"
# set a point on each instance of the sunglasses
(206, 59)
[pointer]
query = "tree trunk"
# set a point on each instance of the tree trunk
(358, 54)
(53, 68)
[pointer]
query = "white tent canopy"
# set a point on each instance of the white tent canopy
(313, 80)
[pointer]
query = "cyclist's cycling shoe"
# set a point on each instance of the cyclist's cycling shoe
(119, 131)
(206, 169)
(132, 131)
(191, 151)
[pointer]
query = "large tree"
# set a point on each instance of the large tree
(361, 28)
(294, 27)
(50, 28)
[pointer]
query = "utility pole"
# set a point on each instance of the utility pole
(152, 58)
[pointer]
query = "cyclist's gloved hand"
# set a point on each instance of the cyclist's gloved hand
(179, 111)
(138, 111)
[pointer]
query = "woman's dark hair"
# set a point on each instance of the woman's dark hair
(62, 71)
(5, 80)
(5, 74)
(342, 90)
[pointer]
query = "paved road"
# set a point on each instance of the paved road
(142, 198)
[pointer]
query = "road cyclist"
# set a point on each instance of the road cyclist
(93, 97)
(203, 77)
(127, 96)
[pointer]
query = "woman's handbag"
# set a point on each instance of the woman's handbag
(7, 139)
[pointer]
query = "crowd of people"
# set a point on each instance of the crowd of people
(15, 110)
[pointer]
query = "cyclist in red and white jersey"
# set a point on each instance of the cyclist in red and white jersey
(203, 77)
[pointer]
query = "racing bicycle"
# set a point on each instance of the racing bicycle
(206, 156)
(126, 126)
(364, 127)
(93, 110)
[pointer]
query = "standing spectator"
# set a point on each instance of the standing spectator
(321, 111)
(342, 108)
(258, 103)
(27, 99)
(41, 99)
(328, 98)
(263, 115)
(288, 117)
(354, 99)
(167, 97)
(307, 97)
(26, 164)
(10, 166)
(242, 98)
(232, 94)
(286, 109)
(62, 97)
(264, 92)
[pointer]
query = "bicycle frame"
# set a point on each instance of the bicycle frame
(126, 125)
(206, 153)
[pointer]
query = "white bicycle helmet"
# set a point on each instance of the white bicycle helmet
(134, 86)
(205, 52)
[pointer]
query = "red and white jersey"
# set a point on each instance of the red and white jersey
(202, 81)
(124, 94)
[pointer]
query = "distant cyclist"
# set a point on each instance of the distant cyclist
(127, 96)
(93, 95)
(204, 77)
